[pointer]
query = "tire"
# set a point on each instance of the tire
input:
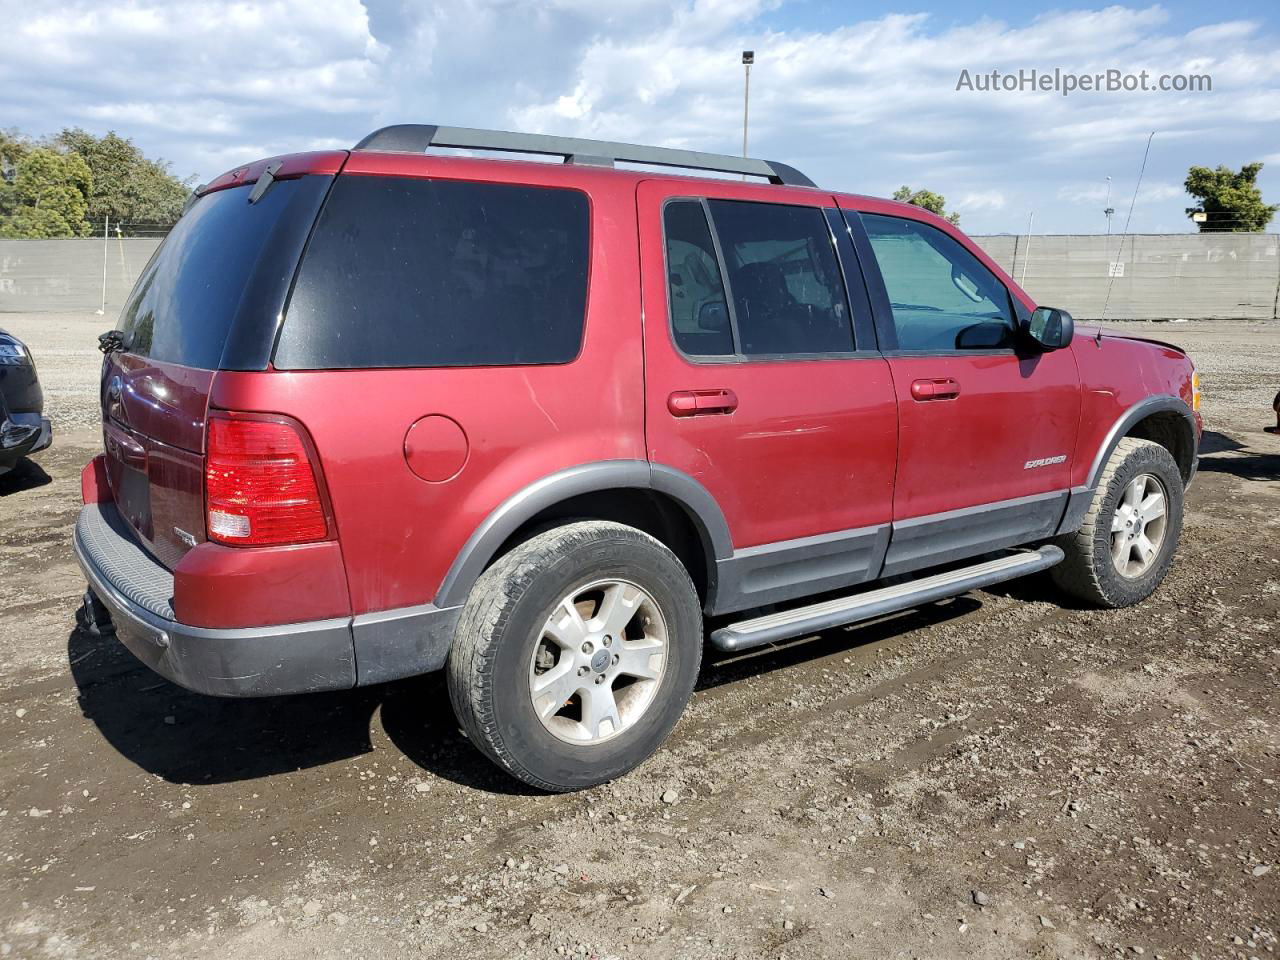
(1090, 572)
(505, 637)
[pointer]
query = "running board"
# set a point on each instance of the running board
(876, 603)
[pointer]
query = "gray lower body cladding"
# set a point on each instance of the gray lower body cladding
(945, 537)
(777, 572)
(870, 604)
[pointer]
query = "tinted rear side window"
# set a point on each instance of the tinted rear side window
(437, 273)
(788, 294)
(185, 301)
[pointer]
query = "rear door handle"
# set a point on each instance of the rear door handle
(697, 403)
(939, 388)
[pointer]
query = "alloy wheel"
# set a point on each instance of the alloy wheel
(598, 662)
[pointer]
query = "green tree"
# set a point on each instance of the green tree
(933, 202)
(126, 185)
(1231, 202)
(47, 197)
(13, 147)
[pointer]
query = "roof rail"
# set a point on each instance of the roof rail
(417, 137)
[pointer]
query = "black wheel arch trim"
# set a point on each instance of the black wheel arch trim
(1159, 403)
(504, 520)
(1082, 496)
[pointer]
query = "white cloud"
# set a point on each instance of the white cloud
(1121, 193)
(191, 81)
(865, 105)
(979, 200)
(874, 104)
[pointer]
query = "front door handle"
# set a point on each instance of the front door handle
(939, 388)
(697, 403)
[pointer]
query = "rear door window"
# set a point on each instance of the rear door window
(784, 294)
(943, 298)
(405, 272)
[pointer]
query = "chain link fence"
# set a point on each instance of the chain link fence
(126, 229)
(71, 275)
(1144, 277)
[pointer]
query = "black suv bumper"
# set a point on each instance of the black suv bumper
(23, 429)
(22, 434)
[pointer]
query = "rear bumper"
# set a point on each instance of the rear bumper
(265, 661)
(22, 434)
(242, 662)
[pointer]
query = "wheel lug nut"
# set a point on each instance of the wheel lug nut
(608, 640)
(599, 678)
(586, 647)
(582, 671)
(616, 658)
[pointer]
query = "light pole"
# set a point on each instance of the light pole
(748, 58)
(1107, 210)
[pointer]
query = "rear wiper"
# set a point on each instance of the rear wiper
(111, 341)
(192, 197)
(265, 180)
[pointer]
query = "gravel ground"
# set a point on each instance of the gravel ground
(1001, 775)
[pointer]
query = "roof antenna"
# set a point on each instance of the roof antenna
(1124, 236)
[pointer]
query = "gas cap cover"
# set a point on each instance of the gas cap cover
(435, 447)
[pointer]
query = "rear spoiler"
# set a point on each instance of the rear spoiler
(286, 167)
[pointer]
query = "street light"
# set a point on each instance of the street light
(748, 58)
(1107, 210)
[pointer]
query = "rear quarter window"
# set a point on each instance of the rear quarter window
(407, 272)
(223, 252)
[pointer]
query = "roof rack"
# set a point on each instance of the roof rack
(417, 137)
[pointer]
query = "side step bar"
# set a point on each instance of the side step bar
(876, 603)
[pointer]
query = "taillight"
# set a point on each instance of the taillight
(260, 482)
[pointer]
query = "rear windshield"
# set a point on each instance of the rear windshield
(407, 272)
(185, 302)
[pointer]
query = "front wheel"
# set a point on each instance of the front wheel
(576, 654)
(1126, 544)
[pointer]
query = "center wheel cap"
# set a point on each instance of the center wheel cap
(601, 660)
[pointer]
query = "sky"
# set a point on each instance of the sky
(861, 97)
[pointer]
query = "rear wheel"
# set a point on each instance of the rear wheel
(1124, 548)
(575, 654)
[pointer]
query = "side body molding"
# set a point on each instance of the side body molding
(1082, 496)
(571, 482)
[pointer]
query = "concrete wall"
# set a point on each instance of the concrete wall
(66, 275)
(1190, 276)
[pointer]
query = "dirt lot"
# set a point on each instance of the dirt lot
(998, 776)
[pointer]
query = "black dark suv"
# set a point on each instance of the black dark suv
(23, 427)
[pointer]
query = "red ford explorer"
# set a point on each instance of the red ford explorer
(378, 412)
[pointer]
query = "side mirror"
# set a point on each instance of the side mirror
(1050, 328)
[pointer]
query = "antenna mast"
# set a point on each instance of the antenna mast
(1124, 236)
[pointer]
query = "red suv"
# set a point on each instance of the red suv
(379, 412)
